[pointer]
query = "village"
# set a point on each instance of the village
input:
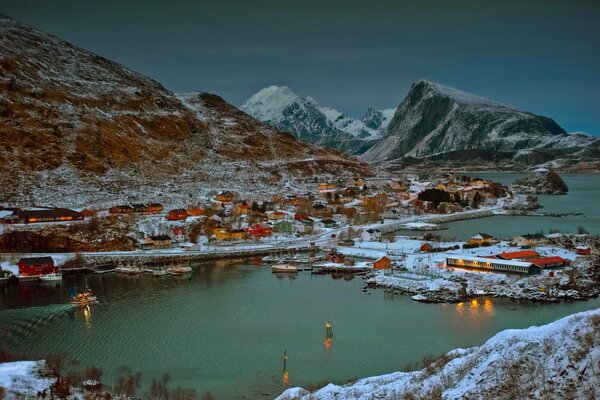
(347, 227)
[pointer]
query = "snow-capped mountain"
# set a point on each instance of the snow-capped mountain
(78, 129)
(439, 123)
(280, 107)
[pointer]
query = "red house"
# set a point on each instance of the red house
(258, 230)
(583, 250)
(36, 266)
(300, 217)
(177, 215)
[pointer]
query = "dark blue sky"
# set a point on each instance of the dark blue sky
(541, 56)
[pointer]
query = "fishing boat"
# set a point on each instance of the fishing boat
(284, 267)
(84, 299)
(53, 277)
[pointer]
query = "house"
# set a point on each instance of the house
(36, 266)
(383, 263)
(179, 233)
(178, 214)
(157, 242)
(358, 182)
(87, 213)
(242, 208)
(370, 235)
(258, 230)
(227, 234)
(583, 250)
(518, 255)
(277, 215)
(399, 186)
(481, 239)
(426, 247)
(300, 217)
(283, 227)
(30, 216)
(154, 208)
(549, 262)
(195, 211)
(225, 197)
(492, 264)
(139, 208)
(335, 258)
(121, 209)
(531, 240)
(326, 187)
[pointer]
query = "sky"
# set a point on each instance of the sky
(540, 56)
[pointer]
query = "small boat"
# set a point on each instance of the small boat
(84, 299)
(179, 270)
(53, 277)
(268, 259)
(129, 269)
(284, 267)
(159, 272)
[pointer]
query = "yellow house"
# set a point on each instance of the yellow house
(226, 234)
(327, 186)
(480, 239)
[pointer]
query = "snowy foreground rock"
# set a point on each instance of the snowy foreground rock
(560, 360)
(24, 379)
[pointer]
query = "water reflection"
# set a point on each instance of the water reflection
(476, 309)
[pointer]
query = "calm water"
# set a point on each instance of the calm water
(583, 197)
(225, 328)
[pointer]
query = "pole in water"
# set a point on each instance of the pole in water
(285, 357)
(328, 330)
(286, 375)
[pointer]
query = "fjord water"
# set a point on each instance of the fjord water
(224, 329)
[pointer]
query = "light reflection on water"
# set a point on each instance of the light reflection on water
(223, 328)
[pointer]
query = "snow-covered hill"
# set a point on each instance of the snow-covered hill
(280, 107)
(77, 129)
(439, 123)
(560, 360)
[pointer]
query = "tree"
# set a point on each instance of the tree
(128, 382)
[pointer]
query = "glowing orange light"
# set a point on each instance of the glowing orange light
(286, 378)
(327, 343)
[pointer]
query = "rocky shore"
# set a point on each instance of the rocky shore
(542, 181)
(580, 283)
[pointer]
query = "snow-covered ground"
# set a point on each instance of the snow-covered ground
(560, 360)
(22, 380)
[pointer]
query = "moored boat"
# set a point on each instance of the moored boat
(55, 276)
(159, 272)
(129, 269)
(284, 267)
(179, 270)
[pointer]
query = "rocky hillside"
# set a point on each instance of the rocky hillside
(439, 125)
(560, 360)
(280, 107)
(541, 181)
(78, 128)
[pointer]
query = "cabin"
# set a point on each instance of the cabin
(370, 235)
(425, 247)
(485, 263)
(383, 263)
(36, 266)
(335, 258)
(518, 255)
(326, 187)
(258, 230)
(121, 209)
(242, 209)
(225, 197)
(583, 250)
(195, 211)
(531, 240)
(158, 242)
(329, 223)
(178, 214)
(154, 208)
(87, 213)
(481, 239)
(226, 234)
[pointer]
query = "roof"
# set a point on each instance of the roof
(481, 235)
(37, 260)
(518, 254)
(50, 212)
(487, 260)
(547, 260)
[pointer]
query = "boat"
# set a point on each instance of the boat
(84, 299)
(55, 276)
(284, 267)
(268, 259)
(179, 270)
(129, 269)
(159, 272)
